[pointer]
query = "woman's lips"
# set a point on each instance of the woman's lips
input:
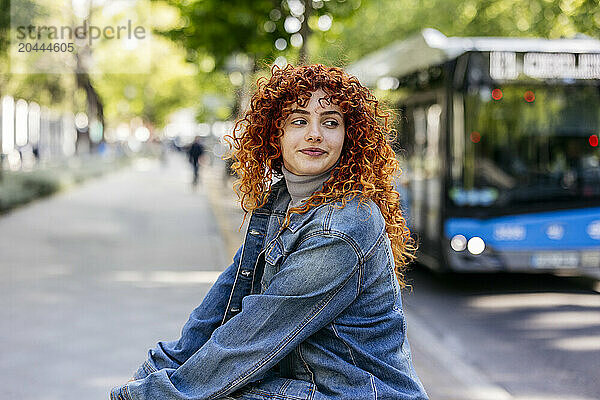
(313, 152)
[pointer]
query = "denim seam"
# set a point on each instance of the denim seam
(377, 243)
(274, 395)
(327, 218)
(237, 273)
(348, 239)
(257, 212)
(404, 333)
(127, 393)
(254, 272)
(301, 220)
(333, 233)
(278, 348)
(312, 375)
(263, 251)
(311, 394)
(277, 242)
(360, 279)
(166, 353)
(304, 239)
(391, 278)
(344, 342)
(148, 367)
(283, 387)
(373, 385)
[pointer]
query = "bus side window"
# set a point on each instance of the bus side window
(432, 171)
(417, 167)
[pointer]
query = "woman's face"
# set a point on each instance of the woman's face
(313, 136)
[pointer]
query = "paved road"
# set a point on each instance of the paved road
(91, 278)
(522, 337)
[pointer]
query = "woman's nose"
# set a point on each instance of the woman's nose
(314, 134)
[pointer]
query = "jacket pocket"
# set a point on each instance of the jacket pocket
(274, 252)
(273, 258)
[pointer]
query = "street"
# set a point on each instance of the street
(93, 277)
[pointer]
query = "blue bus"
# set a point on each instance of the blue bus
(498, 139)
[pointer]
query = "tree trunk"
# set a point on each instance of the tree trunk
(303, 57)
(95, 108)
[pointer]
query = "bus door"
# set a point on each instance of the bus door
(426, 180)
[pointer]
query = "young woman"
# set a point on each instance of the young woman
(311, 306)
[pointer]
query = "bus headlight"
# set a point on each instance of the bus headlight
(458, 243)
(476, 245)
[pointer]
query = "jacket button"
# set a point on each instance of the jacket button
(234, 309)
(254, 232)
(245, 272)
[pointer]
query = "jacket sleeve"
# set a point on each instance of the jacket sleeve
(197, 330)
(314, 284)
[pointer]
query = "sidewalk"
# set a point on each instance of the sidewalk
(94, 276)
(18, 188)
(225, 206)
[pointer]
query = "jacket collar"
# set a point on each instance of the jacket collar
(278, 201)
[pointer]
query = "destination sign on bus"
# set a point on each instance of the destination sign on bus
(506, 65)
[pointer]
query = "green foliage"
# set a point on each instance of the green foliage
(207, 34)
(169, 83)
(222, 29)
(4, 24)
(378, 23)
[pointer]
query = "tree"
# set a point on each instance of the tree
(378, 23)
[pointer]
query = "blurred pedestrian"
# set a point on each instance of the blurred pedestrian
(311, 306)
(195, 153)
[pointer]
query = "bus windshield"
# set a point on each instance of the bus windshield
(527, 144)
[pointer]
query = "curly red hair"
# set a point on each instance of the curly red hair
(367, 164)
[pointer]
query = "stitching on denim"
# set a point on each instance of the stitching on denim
(404, 335)
(284, 386)
(273, 260)
(127, 393)
(312, 375)
(311, 393)
(391, 274)
(148, 368)
(305, 238)
(302, 218)
(263, 250)
(371, 252)
(327, 218)
(254, 272)
(360, 278)
(261, 212)
(237, 273)
(348, 239)
(278, 348)
(344, 342)
(144, 368)
(373, 385)
(274, 395)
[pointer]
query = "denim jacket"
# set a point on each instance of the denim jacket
(312, 311)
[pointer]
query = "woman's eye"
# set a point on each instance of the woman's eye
(299, 122)
(331, 123)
